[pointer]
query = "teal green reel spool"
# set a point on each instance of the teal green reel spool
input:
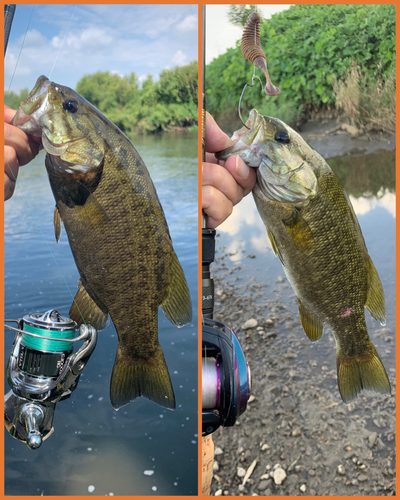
(40, 355)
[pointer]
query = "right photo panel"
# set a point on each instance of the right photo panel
(298, 250)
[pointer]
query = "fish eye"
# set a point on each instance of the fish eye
(70, 106)
(282, 136)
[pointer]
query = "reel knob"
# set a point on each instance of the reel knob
(33, 416)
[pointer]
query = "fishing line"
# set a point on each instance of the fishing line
(45, 241)
(15, 179)
(62, 43)
(23, 42)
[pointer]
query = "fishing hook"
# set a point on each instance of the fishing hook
(242, 94)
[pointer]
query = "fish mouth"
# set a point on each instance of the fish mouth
(29, 118)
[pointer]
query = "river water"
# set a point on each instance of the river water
(143, 449)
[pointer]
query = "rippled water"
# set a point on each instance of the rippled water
(142, 449)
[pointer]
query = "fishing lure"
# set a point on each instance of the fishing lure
(252, 50)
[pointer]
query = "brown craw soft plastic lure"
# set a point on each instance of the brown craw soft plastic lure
(252, 51)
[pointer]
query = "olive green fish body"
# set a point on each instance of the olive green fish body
(315, 232)
(121, 245)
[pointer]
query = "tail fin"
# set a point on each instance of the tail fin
(364, 371)
(132, 378)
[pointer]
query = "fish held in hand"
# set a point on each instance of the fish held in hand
(314, 230)
(117, 233)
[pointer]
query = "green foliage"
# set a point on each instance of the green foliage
(167, 104)
(12, 99)
(307, 48)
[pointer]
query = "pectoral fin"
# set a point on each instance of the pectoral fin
(274, 245)
(85, 310)
(312, 325)
(300, 232)
(57, 223)
(92, 211)
(375, 297)
(177, 305)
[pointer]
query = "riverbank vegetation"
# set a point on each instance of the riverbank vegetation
(168, 104)
(336, 60)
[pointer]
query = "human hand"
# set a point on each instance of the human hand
(224, 184)
(19, 149)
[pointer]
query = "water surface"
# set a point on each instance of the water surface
(143, 449)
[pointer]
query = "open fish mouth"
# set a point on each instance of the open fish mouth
(30, 118)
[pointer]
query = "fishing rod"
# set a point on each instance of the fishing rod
(225, 373)
(9, 11)
(42, 368)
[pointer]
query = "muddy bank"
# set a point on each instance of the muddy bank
(330, 138)
(296, 436)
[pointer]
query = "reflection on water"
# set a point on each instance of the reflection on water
(142, 449)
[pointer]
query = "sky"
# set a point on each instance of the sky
(221, 35)
(84, 39)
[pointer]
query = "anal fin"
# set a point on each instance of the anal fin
(375, 297)
(85, 310)
(177, 305)
(312, 325)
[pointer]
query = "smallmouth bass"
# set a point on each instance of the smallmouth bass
(314, 230)
(117, 233)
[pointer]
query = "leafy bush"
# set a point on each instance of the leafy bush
(307, 48)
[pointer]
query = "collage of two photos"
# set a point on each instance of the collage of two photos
(199, 180)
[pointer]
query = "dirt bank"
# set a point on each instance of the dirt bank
(296, 436)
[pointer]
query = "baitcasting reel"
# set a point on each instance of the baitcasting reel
(42, 370)
(226, 379)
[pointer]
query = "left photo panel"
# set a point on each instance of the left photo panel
(101, 249)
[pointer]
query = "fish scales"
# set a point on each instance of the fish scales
(117, 233)
(315, 232)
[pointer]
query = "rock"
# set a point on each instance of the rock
(303, 488)
(341, 470)
(216, 466)
(372, 439)
(250, 323)
(218, 451)
(218, 493)
(279, 476)
(241, 472)
(296, 432)
(362, 478)
(269, 322)
(264, 447)
(264, 484)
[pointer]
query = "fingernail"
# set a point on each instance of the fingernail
(241, 169)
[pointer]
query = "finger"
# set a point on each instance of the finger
(8, 113)
(11, 167)
(25, 148)
(216, 206)
(216, 140)
(218, 177)
(244, 175)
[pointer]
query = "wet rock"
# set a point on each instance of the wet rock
(250, 323)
